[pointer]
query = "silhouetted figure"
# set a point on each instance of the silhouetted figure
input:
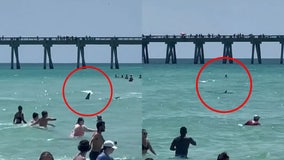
(126, 76)
(88, 96)
(130, 78)
(19, 116)
(181, 144)
(223, 156)
(226, 91)
(226, 76)
(140, 76)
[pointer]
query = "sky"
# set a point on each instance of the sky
(134, 18)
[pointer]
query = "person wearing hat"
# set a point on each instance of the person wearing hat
(108, 148)
(253, 122)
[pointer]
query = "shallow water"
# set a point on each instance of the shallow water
(163, 101)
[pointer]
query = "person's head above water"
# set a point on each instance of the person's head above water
(44, 114)
(84, 146)
(223, 156)
(20, 108)
(35, 115)
(46, 156)
(183, 131)
(101, 126)
(80, 121)
(256, 117)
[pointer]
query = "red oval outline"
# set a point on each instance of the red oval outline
(110, 96)
(211, 108)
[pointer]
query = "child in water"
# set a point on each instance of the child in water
(43, 121)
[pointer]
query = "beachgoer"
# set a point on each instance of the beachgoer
(83, 147)
(80, 129)
(146, 143)
(35, 117)
(181, 144)
(140, 76)
(223, 156)
(99, 118)
(43, 121)
(97, 140)
(19, 116)
(46, 156)
(254, 121)
(108, 148)
(130, 78)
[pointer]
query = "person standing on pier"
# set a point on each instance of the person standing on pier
(19, 116)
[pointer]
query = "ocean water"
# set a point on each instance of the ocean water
(161, 102)
(37, 90)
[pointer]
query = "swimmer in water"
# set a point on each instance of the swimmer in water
(181, 144)
(43, 121)
(223, 156)
(35, 118)
(19, 116)
(146, 143)
(254, 121)
(130, 78)
(80, 129)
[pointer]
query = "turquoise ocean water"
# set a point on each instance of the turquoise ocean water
(161, 102)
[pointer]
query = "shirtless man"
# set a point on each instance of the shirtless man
(181, 144)
(19, 116)
(97, 141)
(80, 129)
(43, 121)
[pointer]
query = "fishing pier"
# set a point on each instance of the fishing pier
(198, 40)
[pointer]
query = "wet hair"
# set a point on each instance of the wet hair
(223, 156)
(183, 131)
(256, 118)
(45, 154)
(99, 124)
(35, 115)
(144, 131)
(44, 113)
(84, 146)
(99, 118)
(20, 107)
(79, 120)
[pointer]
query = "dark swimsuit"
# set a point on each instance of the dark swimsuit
(18, 119)
(145, 147)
